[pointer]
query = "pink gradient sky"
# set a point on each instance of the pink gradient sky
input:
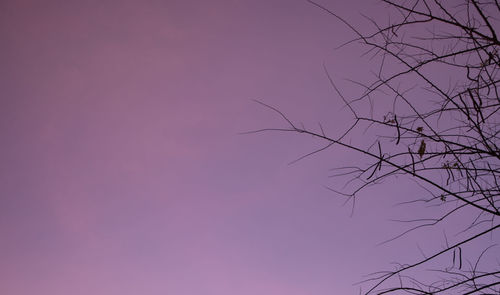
(122, 171)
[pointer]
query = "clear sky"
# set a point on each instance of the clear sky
(121, 168)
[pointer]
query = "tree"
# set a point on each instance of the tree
(450, 51)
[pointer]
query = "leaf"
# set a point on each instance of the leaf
(421, 149)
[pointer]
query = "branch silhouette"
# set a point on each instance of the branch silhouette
(449, 145)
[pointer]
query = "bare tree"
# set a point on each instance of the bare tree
(448, 143)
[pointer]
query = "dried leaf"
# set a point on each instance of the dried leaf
(421, 149)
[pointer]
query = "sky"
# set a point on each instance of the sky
(122, 166)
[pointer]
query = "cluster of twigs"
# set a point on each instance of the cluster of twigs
(448, 143)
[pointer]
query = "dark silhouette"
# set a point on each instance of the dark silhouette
(449, 51)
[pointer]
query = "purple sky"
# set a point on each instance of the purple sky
(121, 168)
